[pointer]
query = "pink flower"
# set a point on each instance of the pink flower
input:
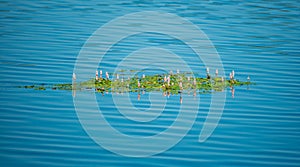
(96, 74)
(180, 85)
(107, 75)
(74, 76)
(230, 76)
(139, 84)
(100, 73)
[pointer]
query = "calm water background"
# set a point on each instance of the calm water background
(41, 39)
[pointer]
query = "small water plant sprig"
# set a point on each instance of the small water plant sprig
(173, 83)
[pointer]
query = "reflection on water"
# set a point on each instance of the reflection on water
(232, 91)
(141, 92)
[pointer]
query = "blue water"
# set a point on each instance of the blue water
(260, 126)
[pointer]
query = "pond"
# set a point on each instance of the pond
(259, 124)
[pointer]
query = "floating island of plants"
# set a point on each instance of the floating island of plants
(171, 83)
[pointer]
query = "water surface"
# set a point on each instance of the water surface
(260, 126)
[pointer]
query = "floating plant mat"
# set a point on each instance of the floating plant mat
(172, 83)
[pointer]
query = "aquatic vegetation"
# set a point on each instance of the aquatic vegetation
(171, 83)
